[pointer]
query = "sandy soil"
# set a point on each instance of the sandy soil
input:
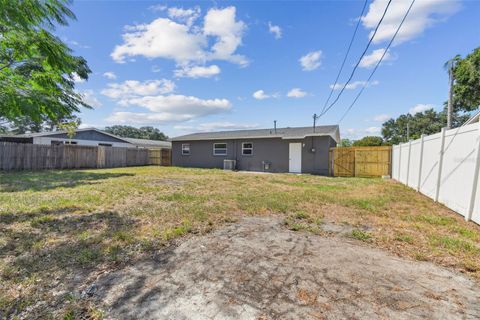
(258, 269)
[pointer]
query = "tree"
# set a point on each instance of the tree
(369, 141)
(345, 143)
(25, 124)
(37, 69)
(394, 131)
(150, 133)
(466, 88)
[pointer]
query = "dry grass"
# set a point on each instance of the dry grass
(60, 229)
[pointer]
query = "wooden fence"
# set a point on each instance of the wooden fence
(20, 156)
(160, 157)
(361, 161)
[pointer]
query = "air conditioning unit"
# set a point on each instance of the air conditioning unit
(229, 164)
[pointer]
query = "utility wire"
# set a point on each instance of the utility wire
(378, 63)
(359, 60)
(346, 55)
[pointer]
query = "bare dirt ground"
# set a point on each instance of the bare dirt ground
(258, 269)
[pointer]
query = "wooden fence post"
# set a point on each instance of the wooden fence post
(422, 141)
(440, 165)
(473, 193)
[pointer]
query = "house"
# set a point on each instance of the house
(298, 150)
(86, 137)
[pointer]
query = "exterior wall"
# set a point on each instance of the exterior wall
(80, 142)
(273, 150)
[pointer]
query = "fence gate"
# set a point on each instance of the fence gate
(360, 161)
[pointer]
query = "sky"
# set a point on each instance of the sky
(219, 65)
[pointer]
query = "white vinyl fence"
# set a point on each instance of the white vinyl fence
(443, 166)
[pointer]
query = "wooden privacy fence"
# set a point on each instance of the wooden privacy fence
(19, 156)
(160, 157)
(361, 161)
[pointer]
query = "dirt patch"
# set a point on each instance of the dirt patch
(258, 269)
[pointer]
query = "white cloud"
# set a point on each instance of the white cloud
(197, 71)
(76, 78)
(381, 117)
(420, 108)
(171, 108)
(373, 130)
(216, 126)
(261, 95)
(162, 38)
(180, 41)
(276, 30)
(110, 75)
(187, 16)
(296, 93)
(90, 98)
(158, 7)
(221, 23)
(311, 60)
(133, 88)
(423, 15)
(372, 59)
(353, 85)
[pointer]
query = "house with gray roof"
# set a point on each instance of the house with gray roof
(85, 137)
(296, 150)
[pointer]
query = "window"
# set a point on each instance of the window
(186, 149)
(56, 142)
(247, 148)
(105, 144)
(219, 149)
(71, 142)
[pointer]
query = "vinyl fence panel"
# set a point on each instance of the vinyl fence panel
(444, 167)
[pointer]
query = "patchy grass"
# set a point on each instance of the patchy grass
(60, 229)
(361, 235)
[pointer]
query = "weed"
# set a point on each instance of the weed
(404, 238)
(361, 235)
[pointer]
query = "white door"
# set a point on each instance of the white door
(295, 157)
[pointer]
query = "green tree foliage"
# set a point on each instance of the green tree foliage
(37, 69)
(369, 141)
(25, 124)
(394, 131)
(345, 143)
(150, 133)
(466, 88)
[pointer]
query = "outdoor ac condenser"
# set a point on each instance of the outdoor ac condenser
(229, 164)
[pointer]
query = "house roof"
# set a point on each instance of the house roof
(137, 142)
(283, 133)
(149, 143)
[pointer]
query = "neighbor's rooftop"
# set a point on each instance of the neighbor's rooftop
(283, 133)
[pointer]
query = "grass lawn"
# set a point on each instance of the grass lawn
(59, 228)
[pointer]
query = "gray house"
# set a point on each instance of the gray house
(85, 137)
(298, 150)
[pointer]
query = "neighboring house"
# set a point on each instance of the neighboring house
(299, 150)
(85, 137)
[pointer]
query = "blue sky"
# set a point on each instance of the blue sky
(197, 66)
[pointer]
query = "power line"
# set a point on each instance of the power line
(346, 55)
(378, 63)
(359, 60)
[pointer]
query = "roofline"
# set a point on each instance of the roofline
(42, 134)
(335, 134)
(256, 137)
